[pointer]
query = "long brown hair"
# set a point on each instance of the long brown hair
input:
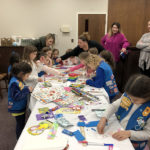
(110, 33)
(26, 54)
(138, 86)
(107, 55)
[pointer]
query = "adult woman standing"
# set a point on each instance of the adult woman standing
(114, 41)
(144, 59)
(44, 41)
(84, 44)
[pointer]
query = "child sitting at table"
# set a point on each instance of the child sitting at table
(48, 51)
(29, 56)
(55, 55)
(73, 60)
(18, 94)
(81, 65)
(104, 75)
(108, 56)
(132, 111)
(42, 64)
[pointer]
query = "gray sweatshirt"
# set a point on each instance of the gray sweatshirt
(144, 45)
(135, 135)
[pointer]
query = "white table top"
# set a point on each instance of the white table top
(39, 142)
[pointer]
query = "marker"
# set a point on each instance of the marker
(96, 144)
(99, 144)
(98, 109)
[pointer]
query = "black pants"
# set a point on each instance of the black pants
(145, 72)
(20, 123)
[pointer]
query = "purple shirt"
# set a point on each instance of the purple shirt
(114, 44)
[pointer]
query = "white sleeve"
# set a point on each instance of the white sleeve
(50, 70)
(112, 108)
(143, 134)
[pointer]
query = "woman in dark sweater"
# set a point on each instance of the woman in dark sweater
(84, 44)
(44, 41)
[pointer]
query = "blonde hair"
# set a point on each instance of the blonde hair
(84, 37)
(50, 36)
(110, 33)
(26, 54)
(91, 59)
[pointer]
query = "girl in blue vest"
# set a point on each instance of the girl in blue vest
(104, 75)
(133, 112)
(18, 94)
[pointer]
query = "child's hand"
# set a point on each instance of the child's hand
(101, 125)
(58, 59)
(67, 71)
(30, 88)
(40, 80)
(121, 135)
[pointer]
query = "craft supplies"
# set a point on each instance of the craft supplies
(78, 135)
(54, 108)
(77, 85)
(65, 131)
(43, 110)
(53, 131)
(44, 116)
(82, 118)
(67, 111)
(84, 94)
(95, 143)
(89, 124)
(63, 122)
(38, 129)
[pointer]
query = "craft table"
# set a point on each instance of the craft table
(40, 142)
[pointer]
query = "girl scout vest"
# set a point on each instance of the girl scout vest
(13, 105)
(138, 119)
(110, 83)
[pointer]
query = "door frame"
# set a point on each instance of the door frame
(82, 13)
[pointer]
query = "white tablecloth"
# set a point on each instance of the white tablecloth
(30, 142)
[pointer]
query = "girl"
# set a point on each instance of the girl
(42, 64)
(104, 75)
(93, 50)
(48, 51)
(18, 94)
(133, 112)
(107, 55)
(29, 56)
(55, 55)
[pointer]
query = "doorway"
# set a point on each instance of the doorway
(94, 24)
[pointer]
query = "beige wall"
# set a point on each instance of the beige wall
(34, 18)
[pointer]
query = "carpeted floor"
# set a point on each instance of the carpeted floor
(7, 125)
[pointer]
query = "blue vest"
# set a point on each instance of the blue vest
(110, 83)
(16, 106)
(138, 119)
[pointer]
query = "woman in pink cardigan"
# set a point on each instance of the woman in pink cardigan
(114, 41)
